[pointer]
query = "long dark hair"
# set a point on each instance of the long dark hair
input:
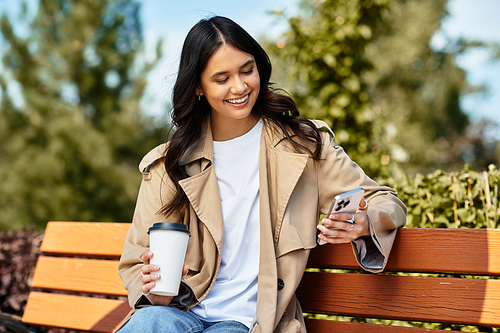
(189, 113)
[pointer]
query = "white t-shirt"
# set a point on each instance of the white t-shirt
(234, 293)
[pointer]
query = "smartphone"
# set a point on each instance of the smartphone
(345, 202)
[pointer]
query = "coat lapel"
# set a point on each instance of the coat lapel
(279, 172)
(203, 194)
(284, 168)
(268, 277)
(201, 187)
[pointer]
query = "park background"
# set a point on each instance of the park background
(410, 89)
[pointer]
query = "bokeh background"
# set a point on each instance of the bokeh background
(409, 87)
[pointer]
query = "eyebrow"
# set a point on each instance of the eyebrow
(225, 72)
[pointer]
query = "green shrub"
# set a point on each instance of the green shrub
(461, 199)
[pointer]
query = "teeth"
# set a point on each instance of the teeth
(238, 101)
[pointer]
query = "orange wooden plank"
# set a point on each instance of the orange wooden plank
(85, 238)
(331, 326)
(464, 251)
(82, 275)
(75, 312)
(452, 300)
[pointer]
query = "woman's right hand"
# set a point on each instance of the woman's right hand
(149, 279)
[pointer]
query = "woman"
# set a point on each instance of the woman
(249, 177)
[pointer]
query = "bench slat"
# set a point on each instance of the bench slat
(463, 251)
(82, 275)
(332, 326)
(452, 300)
(75, 312)
(85, 238)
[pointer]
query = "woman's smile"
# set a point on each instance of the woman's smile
(242, 100)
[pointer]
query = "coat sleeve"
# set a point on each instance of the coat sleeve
(155, 191)
(386, 213)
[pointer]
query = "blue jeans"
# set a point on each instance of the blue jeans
(159, 319)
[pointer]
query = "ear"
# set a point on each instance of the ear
(199, 91)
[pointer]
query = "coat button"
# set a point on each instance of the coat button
(281, 284)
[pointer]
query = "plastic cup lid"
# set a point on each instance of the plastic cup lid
(170, 226)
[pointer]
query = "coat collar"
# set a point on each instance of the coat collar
(281, 165)
(201, 187)
(201, 150)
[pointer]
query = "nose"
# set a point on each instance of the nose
(239, 86)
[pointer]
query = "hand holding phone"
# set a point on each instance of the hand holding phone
(347, 202)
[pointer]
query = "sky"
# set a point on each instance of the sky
(478, 19)
(172, 19)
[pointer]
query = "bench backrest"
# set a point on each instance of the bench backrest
(452, 288)
(76, 284)
(80, 261)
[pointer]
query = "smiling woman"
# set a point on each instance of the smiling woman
(250, 177)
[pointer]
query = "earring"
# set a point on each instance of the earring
(199, 97)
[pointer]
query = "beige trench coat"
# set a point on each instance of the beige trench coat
(294, 190)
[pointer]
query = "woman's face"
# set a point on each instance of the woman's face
(231, 84)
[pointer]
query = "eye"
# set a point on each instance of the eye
(221, 81)
(250, 71)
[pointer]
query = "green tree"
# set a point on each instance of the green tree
(72, 140)
(416, 89)
(324, 55)
(367, 68)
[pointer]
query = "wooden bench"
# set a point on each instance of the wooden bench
(77, 274)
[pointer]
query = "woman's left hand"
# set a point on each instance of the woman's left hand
(336, 230)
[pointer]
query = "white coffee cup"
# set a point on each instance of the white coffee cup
(168, 242)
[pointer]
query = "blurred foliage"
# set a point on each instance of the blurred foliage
(416, 91)
(18, 256)
(19, 252)
(460, 199)
(71, 127)
(324, 56)
(366, 67)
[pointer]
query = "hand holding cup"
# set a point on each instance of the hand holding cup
(164, 262)
(149, 279)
